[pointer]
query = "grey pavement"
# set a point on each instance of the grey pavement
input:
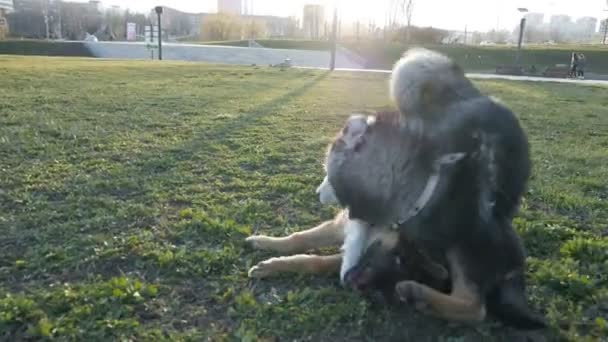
(221, 54)
(345, 61)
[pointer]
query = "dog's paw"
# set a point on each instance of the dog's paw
(259, 242)
(412, 293)
(262, 270)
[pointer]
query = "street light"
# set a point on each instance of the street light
(159, 11)
(605, 26)
(334, 38)
(522, 24)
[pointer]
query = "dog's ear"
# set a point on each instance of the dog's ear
(353, 133)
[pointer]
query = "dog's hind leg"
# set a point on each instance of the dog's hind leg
(328, 233)
(301, 263)
(464, 304)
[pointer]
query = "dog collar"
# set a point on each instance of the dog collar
(429, 189)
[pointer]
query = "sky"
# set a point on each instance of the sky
(477, 15)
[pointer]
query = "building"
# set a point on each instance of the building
(56, 19)
(534, 19)
(6, 6)
(180, 24)
(535, 31)
(563, 29)
(584, 28)
(230, 6)
(560, 21)
(273, 26)
(313, 20)
(559, 28)
(95, 5)
(34, 18)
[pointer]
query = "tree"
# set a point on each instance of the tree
(221, 26)
(407, 7)
(476, 38)
(421, 35)
(140, 21)
(498, 37)
(254, 29)
(293, 28)
(116, 25)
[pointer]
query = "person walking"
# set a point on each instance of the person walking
(582, 61)
(573, 65)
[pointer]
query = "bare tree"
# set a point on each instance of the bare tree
(404, 9)
(221, 26)
(407, 8)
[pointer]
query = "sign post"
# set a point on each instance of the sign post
(159, 12)
(131, 32)
(334, 42)
(151, 34)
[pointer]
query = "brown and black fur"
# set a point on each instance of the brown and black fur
(378, 173)
(381, 268)
(386, 261)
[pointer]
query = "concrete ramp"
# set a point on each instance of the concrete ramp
(221, 54)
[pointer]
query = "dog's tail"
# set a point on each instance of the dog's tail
(508, 304)
(423, 80)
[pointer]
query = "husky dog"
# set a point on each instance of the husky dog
(448, 173)
(371, 271)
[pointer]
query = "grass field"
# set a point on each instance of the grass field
(486, 58)
(127, 189)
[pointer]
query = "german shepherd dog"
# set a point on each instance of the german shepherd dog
(367, 272)
(448, 173)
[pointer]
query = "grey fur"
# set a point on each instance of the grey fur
(369, 175)
(424, 81)
(379, 169)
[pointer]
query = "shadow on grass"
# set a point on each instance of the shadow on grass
(160, 163)
(249, 118)
(131, 186)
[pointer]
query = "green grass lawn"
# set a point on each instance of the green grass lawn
(486, 58)
(127, 189)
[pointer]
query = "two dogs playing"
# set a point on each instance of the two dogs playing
(429, 193)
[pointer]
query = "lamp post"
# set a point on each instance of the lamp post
(159, 11)
(334, 38)
(605, 26)
(522, 25)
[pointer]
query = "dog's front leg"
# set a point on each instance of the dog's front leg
(300, 263)
(327, 234)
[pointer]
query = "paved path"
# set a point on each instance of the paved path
(489, 76)
(264, 56)
(221, 54)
